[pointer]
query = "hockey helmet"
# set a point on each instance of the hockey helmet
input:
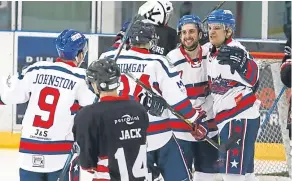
(70, 43)
(189, 19)
(224, 17)
(160, 14)
(142, 33)
(105, 73)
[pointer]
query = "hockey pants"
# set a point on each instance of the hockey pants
(200, 154)
(169, 162)
(240, 158)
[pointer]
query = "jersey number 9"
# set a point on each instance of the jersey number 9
(48, 107)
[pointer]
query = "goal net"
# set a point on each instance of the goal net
(272, 156)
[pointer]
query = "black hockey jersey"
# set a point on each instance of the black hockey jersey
(167, 40)
(111, 135)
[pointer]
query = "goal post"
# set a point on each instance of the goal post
(273, 145)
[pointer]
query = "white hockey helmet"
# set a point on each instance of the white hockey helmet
(159, 14)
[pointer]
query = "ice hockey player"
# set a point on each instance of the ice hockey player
(190, 60)
(113, 146)
(286, 78)
(232, 73)
(159, 16)
(155, 72)
(119, 37)
(50, 90)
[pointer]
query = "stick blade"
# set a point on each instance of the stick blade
(233, 139)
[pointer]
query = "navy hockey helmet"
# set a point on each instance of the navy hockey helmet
(70, 43)
(189, 19)
(142, 33)
(105, 73)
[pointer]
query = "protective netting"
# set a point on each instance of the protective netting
(270, 155)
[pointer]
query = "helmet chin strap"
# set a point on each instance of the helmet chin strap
(78, 64)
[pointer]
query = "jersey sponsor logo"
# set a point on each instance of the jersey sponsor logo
(54, 81)
(130, 134)
(127, 119)
(181, 86)
(38, 161)
(133, 67)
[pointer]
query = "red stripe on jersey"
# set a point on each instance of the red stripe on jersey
(196, 91)
(190, 114)
(45, 147)
(242, 105)
(101, 168)
(116, 45)
(164, 125)
(249, 71)
(75, 107)
(103, 157)
(182, 105)
(252, 72)
(180, 125)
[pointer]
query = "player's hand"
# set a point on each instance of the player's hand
(235, 57)
(200, 131)
(154, 104)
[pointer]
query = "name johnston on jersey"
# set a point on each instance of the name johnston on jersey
(55, 81)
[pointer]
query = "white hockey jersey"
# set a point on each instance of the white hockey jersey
(51, 89)
(232, 93)
(155, 72)
(194, 76)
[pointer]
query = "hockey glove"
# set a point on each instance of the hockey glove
(235, 57)
(200, 131)
(154, 104)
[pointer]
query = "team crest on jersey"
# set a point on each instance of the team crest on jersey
(220, 85)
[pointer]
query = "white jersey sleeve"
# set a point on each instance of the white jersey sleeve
(16, 88)
(84, 95)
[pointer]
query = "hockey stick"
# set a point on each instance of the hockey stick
(145, 8)
(68, 161)
(215, 8)
(273, 107)
(221, 148)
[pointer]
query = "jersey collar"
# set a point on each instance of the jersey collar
(140, 50)
(113, 98)
(188, 58)
(71, 63)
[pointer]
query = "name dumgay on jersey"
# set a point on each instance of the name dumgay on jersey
(133, 67)
(129, 133)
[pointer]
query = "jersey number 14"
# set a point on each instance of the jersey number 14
(139, 168)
